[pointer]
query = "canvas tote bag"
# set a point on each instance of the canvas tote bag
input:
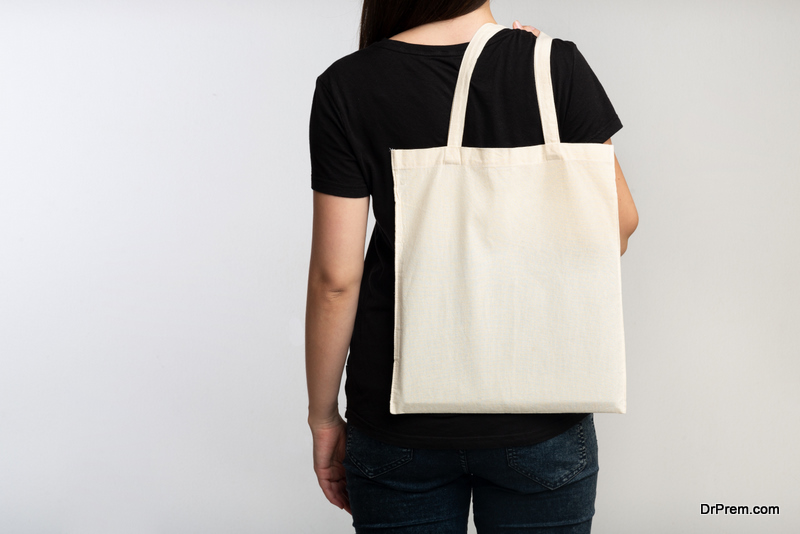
(507, 270)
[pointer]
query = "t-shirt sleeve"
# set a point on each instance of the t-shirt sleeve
(335, 169)
(585, 112)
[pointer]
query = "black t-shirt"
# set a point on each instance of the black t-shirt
(399, 95)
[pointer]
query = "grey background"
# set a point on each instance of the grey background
(155, 225)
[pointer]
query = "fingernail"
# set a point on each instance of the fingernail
(516, 23)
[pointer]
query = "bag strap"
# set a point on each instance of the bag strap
(544, 88)
(459, 109)
(544, 85)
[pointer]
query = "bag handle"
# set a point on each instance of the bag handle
(544, 85)
(544, 88)
(459, 108)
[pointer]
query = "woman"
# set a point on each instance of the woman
(418, 472)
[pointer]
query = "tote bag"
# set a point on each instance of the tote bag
(507, 269)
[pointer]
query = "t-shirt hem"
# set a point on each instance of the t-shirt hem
(461, 442)
(339, 191)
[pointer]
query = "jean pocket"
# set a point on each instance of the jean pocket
(373, 457)
(554, 462)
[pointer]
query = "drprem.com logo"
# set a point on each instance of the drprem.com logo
(721, 509)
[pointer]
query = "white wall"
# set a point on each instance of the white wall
(155, 223)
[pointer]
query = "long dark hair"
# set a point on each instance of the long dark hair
(384, 18)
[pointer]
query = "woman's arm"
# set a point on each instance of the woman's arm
(334, 278)
(628, 216)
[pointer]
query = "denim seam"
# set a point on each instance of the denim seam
(462, 457)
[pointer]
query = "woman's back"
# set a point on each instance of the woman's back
(394, 94)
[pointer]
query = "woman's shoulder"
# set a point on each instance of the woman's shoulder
(350, 67)
(520, 44)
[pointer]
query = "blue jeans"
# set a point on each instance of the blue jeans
(548, 488)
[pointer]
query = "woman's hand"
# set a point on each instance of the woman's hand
(518, 26)
(330, 438)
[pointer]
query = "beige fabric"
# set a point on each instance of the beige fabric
(507, 270)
